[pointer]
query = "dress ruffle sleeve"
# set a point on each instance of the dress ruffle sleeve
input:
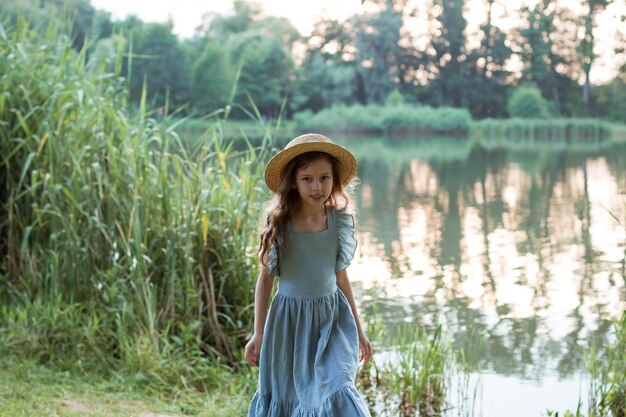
(347, 241)
(272, 262)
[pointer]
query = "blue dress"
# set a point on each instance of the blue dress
(310, 349)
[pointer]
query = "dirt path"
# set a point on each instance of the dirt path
(84, 409)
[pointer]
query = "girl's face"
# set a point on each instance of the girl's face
(315, 182)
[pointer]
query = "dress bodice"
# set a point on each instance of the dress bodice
(308, 264)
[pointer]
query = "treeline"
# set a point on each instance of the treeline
(247, 57)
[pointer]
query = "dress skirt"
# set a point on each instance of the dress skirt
(309, 359)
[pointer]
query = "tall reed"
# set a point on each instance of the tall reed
(532, 131)
(607, 384)
(108, 214)
(415, 371)
(403, 120)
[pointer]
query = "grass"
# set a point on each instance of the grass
(537, 131)
(607, 390)
(415, 371)
(28, 389)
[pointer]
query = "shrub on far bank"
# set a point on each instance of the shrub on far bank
(526, 102)
(395, 98)
(427, 120)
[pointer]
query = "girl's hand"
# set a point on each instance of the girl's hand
(253, 349)
(365, 347)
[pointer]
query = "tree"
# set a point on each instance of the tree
(212, 78)
(378, 51)
(159, 58)
(488, 74)
(102, 25)
(246, 12)
(449, 46)
(265, 71)
(328, 74)
(280, 28)
(321, 84)
(587, 44)
(547, 42)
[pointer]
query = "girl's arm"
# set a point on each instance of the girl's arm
(264, 285)
(364, 344)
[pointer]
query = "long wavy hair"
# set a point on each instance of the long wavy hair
(279, 210)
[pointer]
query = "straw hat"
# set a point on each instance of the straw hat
(311, 142)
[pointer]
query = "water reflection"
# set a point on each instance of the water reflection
(520, 245)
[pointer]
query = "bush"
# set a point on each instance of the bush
(395, 98)
(527, 102)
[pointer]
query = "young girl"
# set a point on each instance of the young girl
(308, 345)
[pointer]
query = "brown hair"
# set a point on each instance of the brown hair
(279, 210)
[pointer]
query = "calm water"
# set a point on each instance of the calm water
(520, 245)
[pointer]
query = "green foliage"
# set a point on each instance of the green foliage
(391, 120)
(451, 86)
(533, 131)
(413, 371)
(607, 391)
(110, 219)
(279, 28)
(237, 131)
(527, 102)
(78, 13)
(157, 61)
(378, 52)
(341, 118)
(319, 84)
(213, 78)
(424, 119)
(545, 48)
(395, 98)
(609, 100)
(222, 26)
(265, 69)
(105, 53)
(359, 60)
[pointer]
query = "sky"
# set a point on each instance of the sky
(186, 16)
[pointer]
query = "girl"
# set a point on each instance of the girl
(308, 348)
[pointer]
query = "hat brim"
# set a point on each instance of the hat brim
(275, 167)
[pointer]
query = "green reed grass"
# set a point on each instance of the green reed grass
(416, 371)
(537, 131)
(404, 120)
(115, 227)
(607, 385)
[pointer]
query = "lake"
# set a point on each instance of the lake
(521, 244)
